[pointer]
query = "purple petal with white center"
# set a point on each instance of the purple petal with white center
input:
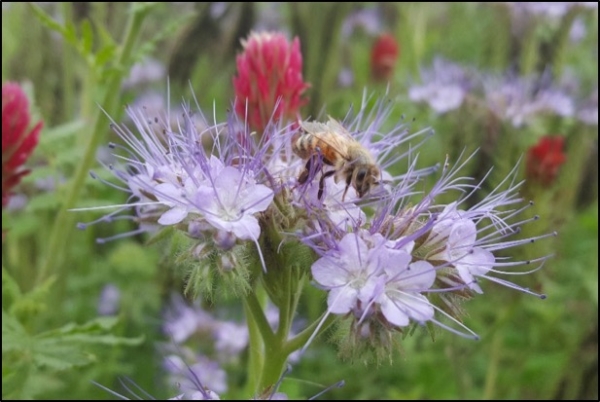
(229, 205)
(173, 216)
(329, 271)
(342, 300)
(418, 277)
(402, 300)
(462, 236)
(476, 263)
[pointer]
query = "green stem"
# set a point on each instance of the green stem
(63, 225)
(529, 51)
(258, 317)
(256, 357)
(302, 338)
(560, 42)
(275, 359)
(492, 370)
(67, 68)
(284, 310)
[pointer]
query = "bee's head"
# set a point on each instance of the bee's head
(365, 177)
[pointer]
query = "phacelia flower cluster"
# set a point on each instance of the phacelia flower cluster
(338, 202)
(415, 261)
(387, 259)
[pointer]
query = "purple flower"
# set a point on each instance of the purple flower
(199, 373)
(349, 272)
(445, 86)
(551, 10)
(588, 111)
(145, 72)
(173, 181)
(520, 99)
(231, 202)
(230, 338)
(389, 267)
(109, 300)
(453, 236)
(182, 320)
(366, 273)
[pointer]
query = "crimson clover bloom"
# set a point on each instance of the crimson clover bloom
(269, 84)
(384, 54)
(544, 159)
(18, 140)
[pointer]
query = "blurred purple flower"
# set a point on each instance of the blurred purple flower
(445, 86)
(368, 20)
(520, 99)
(182, 320)
(191, 370)
(109, 300)
(552, 10)
(144, 73)
(588, 110)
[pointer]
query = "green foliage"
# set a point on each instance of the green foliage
(26, 356)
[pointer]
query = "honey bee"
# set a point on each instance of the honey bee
(350, 160)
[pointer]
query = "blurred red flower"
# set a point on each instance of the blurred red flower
(18, 141)
(269, 84)
(384, 54)
(545, 158)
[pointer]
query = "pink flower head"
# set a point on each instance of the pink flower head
(269, 84)
(18, 142)
(545, 158)
(384, 54)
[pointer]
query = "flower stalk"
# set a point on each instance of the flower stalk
(63, 225)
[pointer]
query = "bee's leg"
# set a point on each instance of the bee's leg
(322, 182)
(348, 181)
(306, 172)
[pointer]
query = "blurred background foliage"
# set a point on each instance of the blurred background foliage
(80, 62)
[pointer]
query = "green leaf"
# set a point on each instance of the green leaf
(70, 35)
(106, 54)
(44, 202)
(64, 132)
(14, 382)
(60, 348)
(132, 259)
(14, 336)
(46, 20)
(10, 288)
(143, 6)
(162, 234)
(32, 302)
(87, 38)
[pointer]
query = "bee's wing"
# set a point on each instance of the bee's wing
(314, 127)
(336, 126)
(333, 142)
